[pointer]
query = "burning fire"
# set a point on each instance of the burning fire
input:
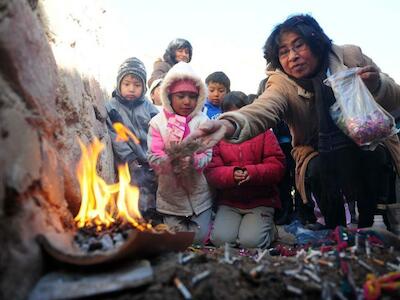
(123, 133)
(105, 204)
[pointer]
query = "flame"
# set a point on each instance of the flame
(104, 204)
(123, 133)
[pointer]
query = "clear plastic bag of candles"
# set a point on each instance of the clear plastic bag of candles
(356, 112)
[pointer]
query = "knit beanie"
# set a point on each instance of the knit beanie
(133, 66)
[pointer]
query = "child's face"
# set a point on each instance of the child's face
(155, 96)
(131, 87)
(184, 103)
(216, 92)
(182, 54)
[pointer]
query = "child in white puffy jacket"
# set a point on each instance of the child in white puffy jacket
(185, 207)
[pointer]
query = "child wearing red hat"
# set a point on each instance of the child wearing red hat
(184, 208)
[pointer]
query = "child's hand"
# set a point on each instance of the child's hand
(246, 177)
(240, 176)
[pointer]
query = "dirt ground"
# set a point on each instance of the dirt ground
(308, 275)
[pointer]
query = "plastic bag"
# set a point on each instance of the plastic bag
(305, 236)
(356, 112)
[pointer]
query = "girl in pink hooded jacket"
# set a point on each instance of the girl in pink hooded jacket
(184, 207)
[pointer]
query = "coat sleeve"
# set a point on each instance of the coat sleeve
(272, 168)
(388, 94)
(160, 68)
(124, 151)
(264, 113)
(201, 160)
(152, 109)
(157, 157)
(218, 175)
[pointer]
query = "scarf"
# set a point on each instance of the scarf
(178, 127)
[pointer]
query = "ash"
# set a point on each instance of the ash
(102, 238)
(93, 238)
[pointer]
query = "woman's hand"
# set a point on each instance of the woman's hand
(370, 76)
(211, 132)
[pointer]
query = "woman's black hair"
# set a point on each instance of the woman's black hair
(234, 98)
(305, 26)
(170, 55)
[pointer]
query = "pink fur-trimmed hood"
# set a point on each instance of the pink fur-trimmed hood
(182, 70)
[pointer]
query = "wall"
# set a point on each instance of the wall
(49, 97)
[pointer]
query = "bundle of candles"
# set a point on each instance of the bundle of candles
(367, 129)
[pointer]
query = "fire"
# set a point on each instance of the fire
(105, 204)
(123, 133)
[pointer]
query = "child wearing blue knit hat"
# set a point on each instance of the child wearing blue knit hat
(130, 107)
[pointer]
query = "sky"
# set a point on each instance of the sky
(229, 35)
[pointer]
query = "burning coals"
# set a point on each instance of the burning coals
(90, 239)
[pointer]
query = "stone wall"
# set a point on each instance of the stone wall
(46, 104)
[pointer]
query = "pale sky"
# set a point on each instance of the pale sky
(229, 35)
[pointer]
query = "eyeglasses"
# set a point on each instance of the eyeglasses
(298, 46)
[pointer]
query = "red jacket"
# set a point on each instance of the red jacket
(265, 164)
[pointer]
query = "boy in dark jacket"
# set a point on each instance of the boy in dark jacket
(246, 177)
(130, 107)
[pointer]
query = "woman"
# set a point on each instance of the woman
(328, 163)
(177, 50)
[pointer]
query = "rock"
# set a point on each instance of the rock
(20, 151)
(28, 63)
(45, 106)
(20, 258)
(52, 179)
(73, 285)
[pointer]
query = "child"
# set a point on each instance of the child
(246, 177)
(130, 107)
(218, 84)
(185, 207)
(155, 93)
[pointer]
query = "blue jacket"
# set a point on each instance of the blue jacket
(211, 110)
(135, 115)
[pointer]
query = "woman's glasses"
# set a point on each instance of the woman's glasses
(298, 46)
